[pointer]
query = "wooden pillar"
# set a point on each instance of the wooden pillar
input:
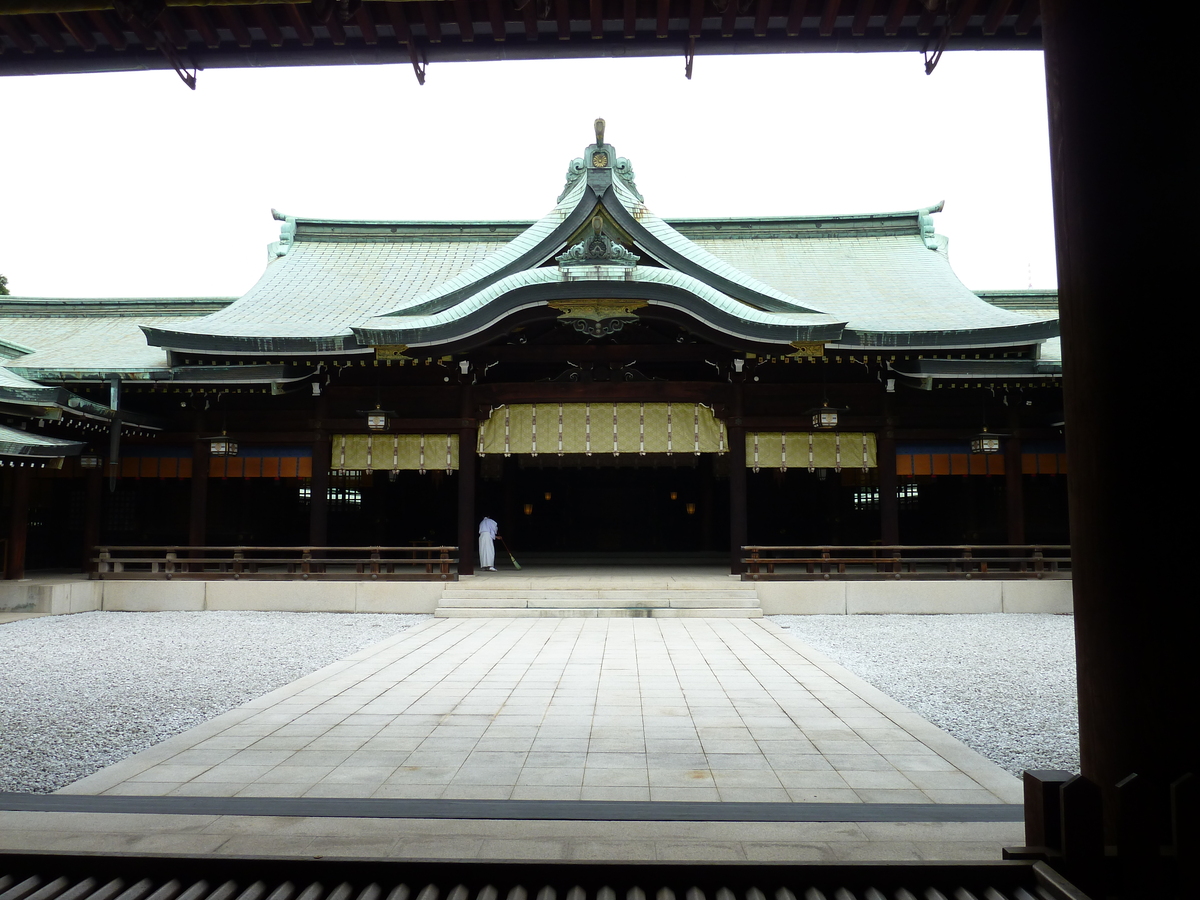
(198, 514)
(93, 480)
(738, 530)
(1014, 486)
(468, 436)
(318, 498)
(1121, 167)
(889, 505)
(18, 523)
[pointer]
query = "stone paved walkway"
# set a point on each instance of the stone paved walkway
(568, 709)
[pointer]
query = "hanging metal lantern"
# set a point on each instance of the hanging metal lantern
(222, 446)
(985, 442)
(90, 461)
(824, 416)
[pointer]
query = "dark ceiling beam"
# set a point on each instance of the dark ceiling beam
(630, 24)
(399, 23)
(529, 15)
(662, 20)
(114, 35)
(995, 15)
(172, 30)
(496, 16)
(795, 19)
(696, 18)
(232, 20)
(596, 11)
(200, 21)
(433, 27)
(862, 17)
(79, 30)
(270, 28)
(562, 14)
(962, 16)
(829, 17)
(1025, 18)
(462, 13)
(300, 24)
(895, 16)
(47, 33)
(729, 18)
(366, 25)
(761, 16)
(926, 19)
(11, 26)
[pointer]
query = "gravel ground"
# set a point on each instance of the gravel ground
(78, 693)
(1004, 685)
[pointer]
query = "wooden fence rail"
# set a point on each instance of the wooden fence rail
(919, 562)
(419, 563)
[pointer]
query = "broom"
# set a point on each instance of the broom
(516, 565)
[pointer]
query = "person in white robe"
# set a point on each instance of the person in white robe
(488, 532)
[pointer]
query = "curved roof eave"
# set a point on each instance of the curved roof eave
(538, 287)
(971, 338)
(197, 342)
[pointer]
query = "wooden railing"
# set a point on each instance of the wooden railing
(419, 563)
(940, 561)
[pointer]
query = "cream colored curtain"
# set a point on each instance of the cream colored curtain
(614, 428)
(394, 452)
(810, 450)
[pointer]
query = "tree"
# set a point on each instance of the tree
(3, 285)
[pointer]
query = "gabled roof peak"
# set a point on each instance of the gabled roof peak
(599, 163)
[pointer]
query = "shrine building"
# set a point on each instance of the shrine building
(607, 384)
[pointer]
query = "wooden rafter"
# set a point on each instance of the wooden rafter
(562, 14)
(829, 17)
(429, 16)
(78, 29)
(337, 33)
(496, 17)
(862, 17)
(270, 28)
(299, 22)
(232, 20)
(630, 20)
(172, 30)
(995, 15)
(729, 18)
(795, 18)
(529, 16)
(662, 20)
(199, 20)
(1025, 18)
(114, 35)
(596, 13)
(366, 26)
(399, 22)
(962, 16)
(13, 28)
(462, 14)
(895, 17)
(926, 20)
(762, 15)
(47, 33)
(696, 18)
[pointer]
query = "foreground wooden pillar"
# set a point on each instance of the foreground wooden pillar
(1014, 488)
(468, 436)
(1122, 170)
(738, 530)
(318, 498)
(889, 505)
(93, 499)
(18, 523)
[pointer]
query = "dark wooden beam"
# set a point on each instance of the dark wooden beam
(301, 25)
(762, 14)
(172, 30)
(829, 17)
(433, 26)
(47, 32)
(602, 392)
(895, 17)
(496, 17)
(795, 17)
(399, 22)
(696, 18)
(630, 19)
(366, 25)
(529, 16)
(596, 12)
(266, 21)
(962, 15)
(198, 508)
(79, 30)
(862, 17)
(18, 522)
(995, 15)
(337, 33)
(232, 20)
(13, 28)
(462, 14)
(926, 20)
(199, 20)
(1027, 16)
(729, 18)
(662, 23)
(562, 12)
(113, 34)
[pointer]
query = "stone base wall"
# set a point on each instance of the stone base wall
(914, 597)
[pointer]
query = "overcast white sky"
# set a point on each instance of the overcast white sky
(131, 185)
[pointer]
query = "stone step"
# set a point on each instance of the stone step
(680, 601)
(625, 612)
(457, 593)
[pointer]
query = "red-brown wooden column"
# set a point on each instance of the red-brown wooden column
(198, 514)
(1014, 486)
(468, 435)
(889, 505)
(18, 522)
(318, 485)
(1122, 169)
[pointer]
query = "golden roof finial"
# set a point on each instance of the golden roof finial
(599, 131)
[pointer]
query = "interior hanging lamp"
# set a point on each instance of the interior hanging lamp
(986, 442)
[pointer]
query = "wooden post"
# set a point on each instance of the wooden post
(889, 505)
(738, 530)
(18, 523)
(1014, 493)
(318, 498)
(468, 435)
(93, 498)
(198, 516)
(1119, 150)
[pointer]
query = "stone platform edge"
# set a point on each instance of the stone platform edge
(62, 596)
